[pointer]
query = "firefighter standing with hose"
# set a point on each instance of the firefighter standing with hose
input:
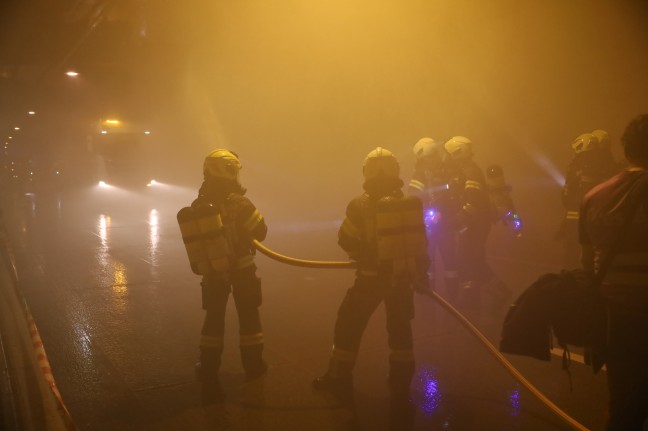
(218, 230)
(384, 233)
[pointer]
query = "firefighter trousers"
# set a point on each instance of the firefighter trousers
(245, 287)
(353, 315)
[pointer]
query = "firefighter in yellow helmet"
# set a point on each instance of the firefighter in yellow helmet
(431, 182)
(474, 220)
(590, 165)
(227, 267)
(383, 232)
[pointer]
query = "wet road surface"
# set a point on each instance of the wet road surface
(107, 280)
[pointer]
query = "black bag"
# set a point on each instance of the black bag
(526, 330)
(579, 315)
(568, 304)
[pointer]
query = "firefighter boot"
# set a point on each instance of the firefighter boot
(402, 411)
(207, 374)
(338, 380)
(253, 363)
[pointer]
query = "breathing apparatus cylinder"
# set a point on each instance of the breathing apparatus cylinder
(194, 245)
(400, 233)
(204, 237)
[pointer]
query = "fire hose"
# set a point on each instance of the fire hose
(454, 312)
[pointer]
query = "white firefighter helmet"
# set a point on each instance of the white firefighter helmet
(603, 138)
(584, 142)
(380, 161)
(459, 147)
(222, 163)
(426, 147)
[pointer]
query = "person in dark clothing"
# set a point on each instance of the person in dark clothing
(431, 183)
(241, 223)
(591, 165)
(475, 219)
(617, 207)
(383, 232)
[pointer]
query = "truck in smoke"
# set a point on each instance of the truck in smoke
(121, 152)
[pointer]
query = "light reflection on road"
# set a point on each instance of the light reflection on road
(428, 393)
(113, 269)
(154, 241)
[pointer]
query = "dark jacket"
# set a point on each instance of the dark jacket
(357, 235)
(244, 223)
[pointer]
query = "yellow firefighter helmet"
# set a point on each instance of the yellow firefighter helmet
(426, 147)
(603, 138)
(584, 142)
(222, 163)
(459, 147)
(380, 161)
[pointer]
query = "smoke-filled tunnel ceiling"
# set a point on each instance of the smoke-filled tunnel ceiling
(306, 88)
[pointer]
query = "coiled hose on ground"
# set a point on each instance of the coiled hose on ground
(453, 311)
